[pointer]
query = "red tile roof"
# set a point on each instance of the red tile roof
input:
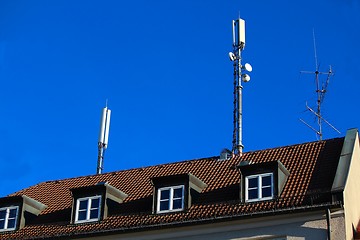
(312, 168)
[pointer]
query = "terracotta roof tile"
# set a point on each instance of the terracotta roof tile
(312, 168)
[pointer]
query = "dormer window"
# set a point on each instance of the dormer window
(94, 203)
(170, 199)
(259, 187)
(262, 181)
(175, 193)
(88, 209)
(17, 211)
(8, 218)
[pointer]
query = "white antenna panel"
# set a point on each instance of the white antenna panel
(103, 137)
(234, 38)
(102, 125)
(241, 32)
(107, 127)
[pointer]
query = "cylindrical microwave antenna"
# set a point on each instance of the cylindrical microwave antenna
(104, 126)
(103, 137)
(107, 127)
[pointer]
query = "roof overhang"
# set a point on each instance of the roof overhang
(114, 193)
(28, 204)
(346, 155)
(194, 182)
(32, 206)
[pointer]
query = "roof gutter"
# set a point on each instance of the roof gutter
(197, 221)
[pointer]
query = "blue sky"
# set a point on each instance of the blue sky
(164, 68)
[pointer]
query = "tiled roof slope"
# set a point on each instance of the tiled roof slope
(312, 168)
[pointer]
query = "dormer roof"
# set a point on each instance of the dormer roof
(28, 204)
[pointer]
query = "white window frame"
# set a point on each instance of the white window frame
(171, 198)
(88, 209)
(259, 187)
(6, 219)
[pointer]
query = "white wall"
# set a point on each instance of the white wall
(352, 191)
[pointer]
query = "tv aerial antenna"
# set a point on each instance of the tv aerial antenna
(321, 89)
(103, 137)
(240, 75)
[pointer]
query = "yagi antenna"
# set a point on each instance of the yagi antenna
(321, 88)
(103, 137)
(238, 32)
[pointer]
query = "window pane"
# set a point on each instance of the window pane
(252, 182)
(266, 181)
(11, 223)
(12, 213)
(94, 213)
(2, 214)
(81, 215)
(95, 203)
(253, 194)
(83, 204)
(164, 205)
(2, 224)
(177, 204)
(266, 192)
(165, 194)
(178, 193)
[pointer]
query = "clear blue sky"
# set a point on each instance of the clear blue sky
(164, 68)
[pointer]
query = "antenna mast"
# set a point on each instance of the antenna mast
(238, 30)
(320, 93)
(103, 138)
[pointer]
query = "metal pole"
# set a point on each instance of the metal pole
(328, 220)
(235, 109)
(318, 92)
(238, 46)
(239, 117)
(100, 158)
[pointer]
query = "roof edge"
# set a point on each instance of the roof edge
(108, 232)
(343, 167)
(291, 145)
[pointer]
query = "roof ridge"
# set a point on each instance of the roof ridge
(165, 164)
(117, 171)
(293, 145)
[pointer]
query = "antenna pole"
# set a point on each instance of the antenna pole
(239, 88)
(103, 138)
(235, 56)
(100, 162)
(320, 93)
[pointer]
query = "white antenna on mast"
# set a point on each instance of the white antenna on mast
(238, 30)
(320, 92)
(103, 137)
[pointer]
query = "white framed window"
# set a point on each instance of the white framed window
(259, 187)
(88, 209)
(170, 199)
(8, 218)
